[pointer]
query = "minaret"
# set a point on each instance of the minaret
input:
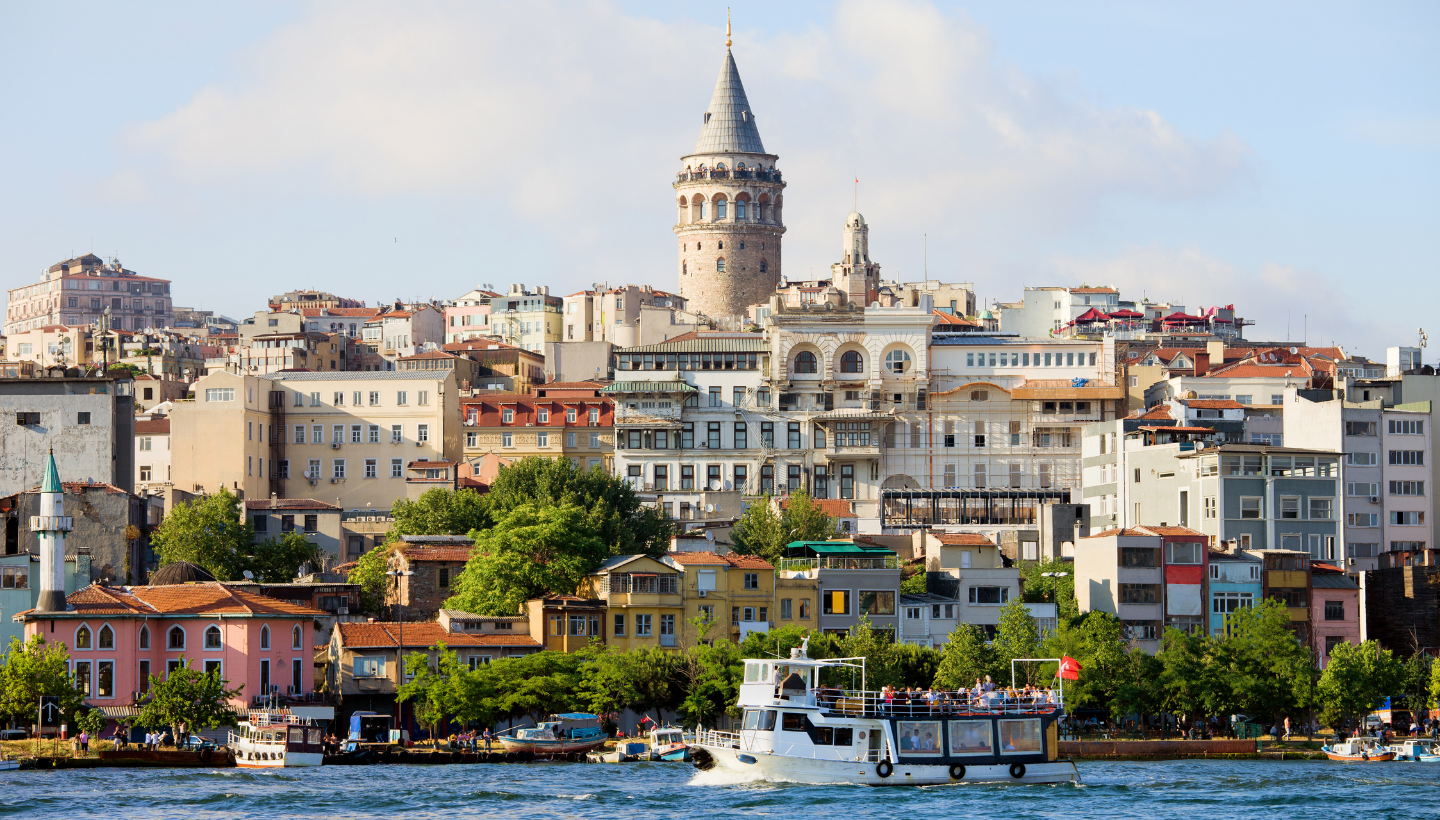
(855, 275)
(50, 527)
(729, 203)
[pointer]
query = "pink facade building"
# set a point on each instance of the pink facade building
(1334, 610)
(118, 636)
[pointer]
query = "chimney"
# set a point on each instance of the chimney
(50, 527)
(1216, 350)
(1202, 363)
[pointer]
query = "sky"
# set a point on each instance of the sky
(1280, 157)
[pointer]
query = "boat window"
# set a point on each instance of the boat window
(1019, 736)
(297, 735)
(767, 720)
(752, 673)
(844, 736)
(971, 737)
(920, 737)
(314, 738)
(792, 721)
(752, 719)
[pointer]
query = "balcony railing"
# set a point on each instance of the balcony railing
(667, 640)
(811, 564)
(712, 173)
(52, 523)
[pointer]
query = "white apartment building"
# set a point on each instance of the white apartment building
(152, 454)
(1045, 309)
(79, 291)
(348, 438)
(626, 316)
(404, 331)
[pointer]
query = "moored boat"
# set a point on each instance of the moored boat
(795, 730)
(669, 744)
(1358, 750)
(562, 735)
(274, 740)
(1416, 750)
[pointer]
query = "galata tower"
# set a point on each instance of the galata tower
(729, 201)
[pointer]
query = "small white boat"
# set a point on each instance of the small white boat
(274, 740)
(1358, 750)
(1416, 750)
(668, 743)
(9, 765)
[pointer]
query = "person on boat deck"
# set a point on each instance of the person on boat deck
(989, 684)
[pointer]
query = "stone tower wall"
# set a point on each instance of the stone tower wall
(747, 242)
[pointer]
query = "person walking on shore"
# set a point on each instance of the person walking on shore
(487, 739)
(1287, 727)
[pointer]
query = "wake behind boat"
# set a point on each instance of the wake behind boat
(796, 731)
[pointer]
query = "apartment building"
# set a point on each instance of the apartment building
(1045, 309)
(1334, 610)
(429, 567)
(88, 423)
(1150, 578)
(290, 434)
(524, 318)
(853, 580)
(1387, 464)
(273, 352)
(627, 316)
(468, 317)
(403, 331)
(643, 598)
(735, 594)
(1285, 577)
(152, 454)
(80, 291)
(317, 521)
(968, 568)
(1234, 583)
(311, 300)
(566, 623)
(571, 421)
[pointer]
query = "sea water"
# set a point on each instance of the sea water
(1207, 789)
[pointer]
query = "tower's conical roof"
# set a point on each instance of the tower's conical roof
(729, 122)
(52, 476)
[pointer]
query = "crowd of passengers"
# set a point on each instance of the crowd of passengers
(913, 701)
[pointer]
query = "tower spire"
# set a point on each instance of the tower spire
(727, 27)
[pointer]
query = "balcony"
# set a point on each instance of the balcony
(807, 567)
(626, 416)
(52, 523)
(834, 449)
(711, 173)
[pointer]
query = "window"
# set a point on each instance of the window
(1362, 459)
(1227, 602)
(175, 638)
(374, 398)
(82, 418)
(105, 679)
(787, 609)
(423, 397)
(296, 640)
(989, 596)
(507, 416)
(805, 362)
(835, 602)
(1407, 427)
(1321, 509)
(793, 435)
(212, 637)
(356, 433)
(314, 399)
(1289, 507)
(1362, 519)
(619, 628)
(374, 434)
(14, 578)
(752, 580)
(897, 361)
(82, 637)
(1334, 611)
(851, 362)
(1184, 553)
(1402, 488)
(422, 432)
(1251, 507)
(642, 626)
(877, 602)
(1209, 502)
(401, 397)
(1406, 518)
(1414, 458)
(741, 436)
(219, 394)
(1359, 428)
(339, 399)
(370, 667)
(397, 434)
(338, 468)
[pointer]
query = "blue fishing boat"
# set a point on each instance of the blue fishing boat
(668, 743)
(562, 735)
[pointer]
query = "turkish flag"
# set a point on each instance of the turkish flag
(1069, 668)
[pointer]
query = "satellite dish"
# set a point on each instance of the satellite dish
(1294, 350)
(249, 576)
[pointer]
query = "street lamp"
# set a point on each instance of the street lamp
(397, 574)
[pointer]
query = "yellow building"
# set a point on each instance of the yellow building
(795, 602)
(643, 595)
(735, 594)
(359, 440)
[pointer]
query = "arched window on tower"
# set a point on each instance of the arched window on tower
(764, 266)
(720, 265)
(702, 210)
(739, 209)
(720, 209)
(720, 245)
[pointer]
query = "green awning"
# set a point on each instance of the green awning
(649, 387)
(836, 549)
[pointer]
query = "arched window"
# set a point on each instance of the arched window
(175, 638)
(720, 245)
(144, 637)
(805, 362)
(82, 637)
(897, 361)
(739, 209)
(264, 637)
(212, 637)
(850, 362)
(702, 209)
(107, 638)
(720, 209)
(684, 268)
(764, 266)
(295, 638)
(720, 265)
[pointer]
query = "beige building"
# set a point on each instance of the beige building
(78, 291)
(340, 437)
(317, 521)
(152, 454)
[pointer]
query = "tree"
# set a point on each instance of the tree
(209, 532)
(913, 584)
(1095, 640)
(34, 669)
(532, 550)
(614, 510)
(1018, 637)
(1434, 682)
(805, 521)
(430, 691)
(1135, 691)
(439, 512)
(1261, 661)
(1356, 681)
(369, 573)
(1187, 680)
(278, 560)
(759, 531)
(91, 721)
(711, 674)
(1414, 690)
(882, 663)
(917, 665)
(965, 659)
(187, 700)
(1050, 582)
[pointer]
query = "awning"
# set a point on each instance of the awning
(1126, 313)
(851, 415)
(671, 386)
(1091, 315)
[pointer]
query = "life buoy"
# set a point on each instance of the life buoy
(884, 769)
(1017, 770)
(957, 772)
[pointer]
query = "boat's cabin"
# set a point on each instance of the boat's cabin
(666, 737)
(294, 737)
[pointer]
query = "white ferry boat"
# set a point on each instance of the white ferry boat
(794, 730)
(273, 740)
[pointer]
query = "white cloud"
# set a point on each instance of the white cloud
(573, 116)
(1273, 295)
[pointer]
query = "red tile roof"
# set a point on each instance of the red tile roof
(460, 554)
(182, 599)
(287, 504)
(733, 560)
(833, 507)
(421, 465)
(1128, 533)
(963, 539)
(429, 354)
(356, 636)
(1175, 531)
(571, 385)
(1158, 412)
(951, 319)
(1213, 404)
(152, 426)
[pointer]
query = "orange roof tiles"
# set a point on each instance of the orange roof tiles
(182, 599)
(1128, 533)
(461, 554)
(1174, 531)
(152, 426)
(711, 559)
(963, 539)
(355, 636)
(833, 507)
(1213, 404)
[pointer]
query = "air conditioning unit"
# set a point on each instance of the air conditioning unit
(702, 593)
(274, 688)
(342, 610)
(313, 482)
(1374, 499)
(334, 445)
(334, 481)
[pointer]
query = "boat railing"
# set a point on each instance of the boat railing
(710, 737)
(860, 703)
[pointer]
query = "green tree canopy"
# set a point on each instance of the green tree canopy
(613, 508)
(1050, 582)
(278, 560)
(1264, 667)
(369, 573)
(1187, 678)
(965, 658)
(711, 675)
(1356, 681)
(439, 512)
(641, 679)
(432, 691)
(764, 532)
(209, 532)
(34, 669)
(190, 699)
(1018, 638)
(1095, 640)
(532, 550)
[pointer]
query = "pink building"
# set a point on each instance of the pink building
(118, 636)
(1334, 609)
